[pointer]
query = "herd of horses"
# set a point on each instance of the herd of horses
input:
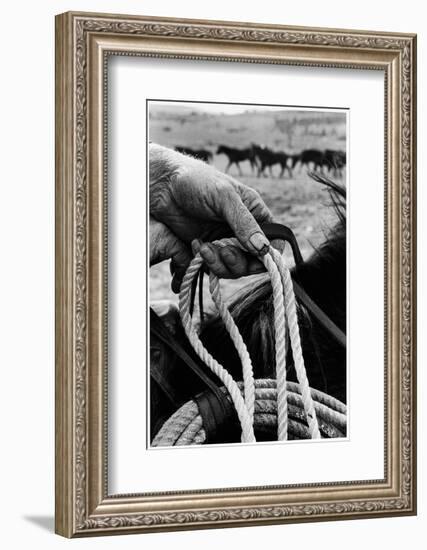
(261, 158)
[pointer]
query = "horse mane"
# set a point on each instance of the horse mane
(323, 276)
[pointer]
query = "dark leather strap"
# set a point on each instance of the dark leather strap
(219, 417)
(319, 315)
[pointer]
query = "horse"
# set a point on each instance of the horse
(201, 154)
(334, 161)
(236, 156)
(312, 158)
(294, 160)
(269, 158)
(322, 276)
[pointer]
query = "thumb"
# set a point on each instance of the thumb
(181, 257)
(243, 224)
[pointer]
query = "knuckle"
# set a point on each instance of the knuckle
(226, 191)
(219, 269)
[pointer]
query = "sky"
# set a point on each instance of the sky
(214, 108)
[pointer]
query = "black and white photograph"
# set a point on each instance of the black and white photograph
(247, 282)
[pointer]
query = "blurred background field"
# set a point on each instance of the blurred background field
(298, 201)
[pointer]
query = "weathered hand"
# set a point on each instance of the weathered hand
(192, 199)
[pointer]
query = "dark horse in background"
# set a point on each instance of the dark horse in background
(201, 154)
(294, 160)
(267, 158)
(329, 162)
(322, 276)
(313, 159)
(236, 156)
(334, 161)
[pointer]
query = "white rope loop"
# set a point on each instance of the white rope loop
(284, 310)
(184, 306)
(247, 369)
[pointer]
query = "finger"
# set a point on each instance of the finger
(255, 266)
(242, 222)
(195, 245)
(180, 259)
(212, 258)
(176, 282)
(234, 260)
(240, 263)
(177, 272)
(254, 203)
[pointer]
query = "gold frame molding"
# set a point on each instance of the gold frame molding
(83, 43)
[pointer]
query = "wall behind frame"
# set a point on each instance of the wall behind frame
(27, 273)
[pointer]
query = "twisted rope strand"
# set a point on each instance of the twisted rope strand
(280, 351)
(242, 350)
(294, 336)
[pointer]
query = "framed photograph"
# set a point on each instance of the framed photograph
(235, 274)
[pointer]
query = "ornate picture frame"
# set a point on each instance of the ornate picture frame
(84, 42)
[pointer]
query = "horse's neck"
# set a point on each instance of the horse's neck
(323, 277)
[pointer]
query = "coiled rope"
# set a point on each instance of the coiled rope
(284, 312)
(185, 426)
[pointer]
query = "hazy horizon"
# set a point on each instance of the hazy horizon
(229, 108)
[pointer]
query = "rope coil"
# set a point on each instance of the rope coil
(185, 426)
(285, 321)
